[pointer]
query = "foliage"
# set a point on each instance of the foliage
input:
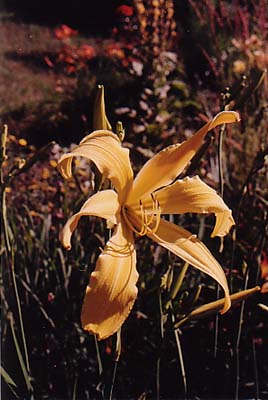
(148, 37)
(231, 36)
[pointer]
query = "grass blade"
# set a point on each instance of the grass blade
(75, 387)
(19, 311)
(19, 354)
(7, 377)
(116, 360)
(9, 381)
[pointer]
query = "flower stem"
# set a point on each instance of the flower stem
(116, 360)
(180, 355)
(238, 338)
(19, 311)
(221, 187)
(158, 363)
(255, 364)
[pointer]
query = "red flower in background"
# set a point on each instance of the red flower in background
(50, 297)
(75, 58)
(125, 10)
(115, 50)
(86, 52)
(64, 32)
(264, 266)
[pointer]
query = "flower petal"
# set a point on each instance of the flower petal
(165, 166)
(103, 204)
(112, 287)
(187, 246)
(193, 195)
(104, 149)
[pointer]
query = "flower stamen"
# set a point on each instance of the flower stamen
(154, 212)
(158, 217)
(146, 218)
(143, 220)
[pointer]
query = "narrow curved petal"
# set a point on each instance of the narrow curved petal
(103, 204)
(165, 166)
(112, 289)
(112, 160)
(193, 195)
(188, 247)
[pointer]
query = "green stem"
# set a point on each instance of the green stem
(19, 311)
(176, 285)
(180, 355)
(18, 351)
(255, 364)
(4, 224)
(158, 363)
(220, 146)
(99, 366)
(116, 360)
(221, 184)
(238, 338)
(216, 330)
(98, 356)
(75, 387)
(2, 188)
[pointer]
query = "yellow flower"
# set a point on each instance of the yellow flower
(53, 163)
(136, 206)
(239, 67)
(22, 142)
(45, 173)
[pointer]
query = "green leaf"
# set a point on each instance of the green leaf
(19, 354)
(7, 377)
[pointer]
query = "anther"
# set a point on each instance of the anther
(146, 220)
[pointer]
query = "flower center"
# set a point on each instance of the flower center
(142, 220)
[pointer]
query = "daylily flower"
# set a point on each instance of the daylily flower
(135, 206)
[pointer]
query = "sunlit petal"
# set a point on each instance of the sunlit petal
(192, 250)
(112, 287)
(193, 195)
(103, 204)
(165, 166)
(105, 150)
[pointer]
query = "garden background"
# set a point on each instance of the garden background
(167, 67)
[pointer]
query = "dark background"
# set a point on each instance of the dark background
(96, 18)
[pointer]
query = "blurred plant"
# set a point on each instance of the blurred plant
(75, 58)
(236, 34)
(146, 36)
(72, 57)
(233, 38)
(64, 32)
(125, 11)
(255, 52)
